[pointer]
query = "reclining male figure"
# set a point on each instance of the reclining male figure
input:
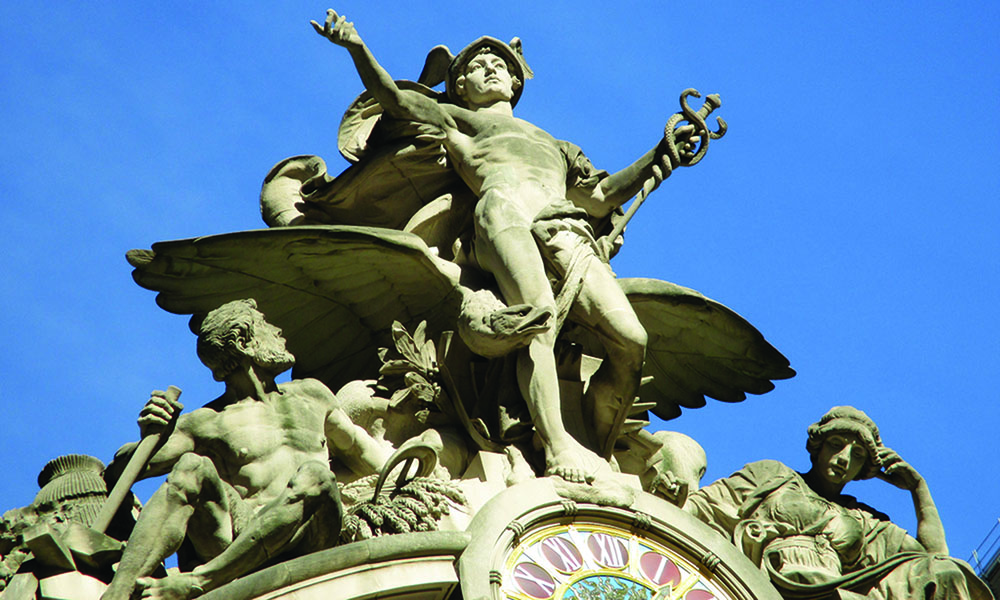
(249, 473)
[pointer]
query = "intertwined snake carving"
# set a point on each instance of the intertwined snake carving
(686, 155)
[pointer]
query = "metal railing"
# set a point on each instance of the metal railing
(985, 558)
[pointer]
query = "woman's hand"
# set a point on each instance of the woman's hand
(897, 471)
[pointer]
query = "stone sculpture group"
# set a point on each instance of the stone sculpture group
(448, 304)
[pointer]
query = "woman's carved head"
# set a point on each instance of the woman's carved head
(847, 422)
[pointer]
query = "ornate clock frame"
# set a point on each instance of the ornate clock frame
(531, 543)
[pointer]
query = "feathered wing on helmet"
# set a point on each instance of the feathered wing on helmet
(847, 419)
(441, 66)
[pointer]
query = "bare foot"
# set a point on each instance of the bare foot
(574, 463)
(176, 586)
(518, 468)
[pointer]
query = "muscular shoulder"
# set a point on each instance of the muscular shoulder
(308, 388)
(424, 108)
(198, 421)
(581, 172)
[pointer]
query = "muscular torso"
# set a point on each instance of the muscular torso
(501, 154)
(257, 446)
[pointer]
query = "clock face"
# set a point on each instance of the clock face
(594, 561)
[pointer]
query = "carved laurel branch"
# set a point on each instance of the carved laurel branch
(410, 369)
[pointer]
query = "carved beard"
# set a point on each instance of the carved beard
(273, 356)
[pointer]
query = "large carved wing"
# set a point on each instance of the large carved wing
(399, 178)
(697, 348)
(334, 290)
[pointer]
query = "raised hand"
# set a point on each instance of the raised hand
(338, 30)
(897, 471)
(159, 412)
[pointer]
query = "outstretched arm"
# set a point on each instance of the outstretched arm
(398, 103)
(930, 530)
(353, 446)
(347, 442)
(647, 172)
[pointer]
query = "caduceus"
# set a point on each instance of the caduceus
(683, 151)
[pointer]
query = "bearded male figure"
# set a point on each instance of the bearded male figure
(534, 195)
(249, 473)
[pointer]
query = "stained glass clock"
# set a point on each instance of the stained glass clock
(530, 543)
(594, 561)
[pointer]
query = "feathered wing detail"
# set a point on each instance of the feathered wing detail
(399, 178)
(697, 348)
(333, 290)
(436, 65)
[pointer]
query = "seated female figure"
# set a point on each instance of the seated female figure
(814, 541)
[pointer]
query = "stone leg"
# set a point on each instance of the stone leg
(306, 517)
(192, 494)
(603, 308)
(508, 250)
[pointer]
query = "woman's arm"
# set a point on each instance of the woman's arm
(930, 530)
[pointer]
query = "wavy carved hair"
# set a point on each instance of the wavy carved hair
(231, 333)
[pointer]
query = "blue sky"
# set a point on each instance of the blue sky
(851, 213)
